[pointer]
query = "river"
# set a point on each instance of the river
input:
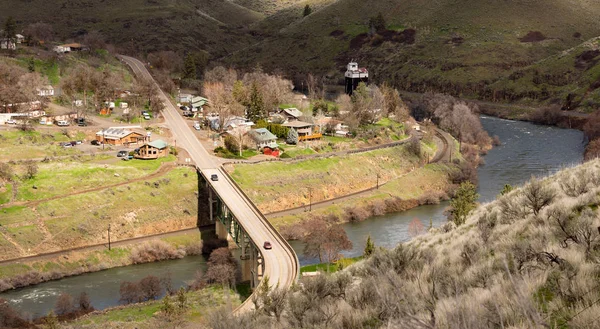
(526, 150)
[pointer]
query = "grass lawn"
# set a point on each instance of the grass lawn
(6, 193)
(61, 178)
(16, 214)
(33, 144)
(142, 315)
(295, 151)
(132, 209)
(28, 236)
(330, 267)
(282, 185)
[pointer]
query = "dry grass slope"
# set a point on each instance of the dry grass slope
(527, 260)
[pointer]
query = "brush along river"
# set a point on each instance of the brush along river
(526, 150)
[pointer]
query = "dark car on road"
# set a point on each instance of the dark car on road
(95, 142)
(267, 245)
(214, 177)
(122, 153)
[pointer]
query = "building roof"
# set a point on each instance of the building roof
(115, 133)
(199, 101)
(159, 144)
(262, 135)
(293, 112)
(297, 124)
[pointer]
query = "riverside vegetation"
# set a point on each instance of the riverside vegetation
(527, 260)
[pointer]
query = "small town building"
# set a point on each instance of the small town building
(263, 138)
(119, 136)
(355, 75)
(8, 44)
(197, 103)
(236, 121)
(46, 91)
(305, 130)
(292, 114)
(153, 150)
(185, 98)
(19, 38)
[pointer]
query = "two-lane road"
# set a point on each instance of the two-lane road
(281, 262)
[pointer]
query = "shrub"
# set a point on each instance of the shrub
(64, 304)
(537, 195)
(130, 292)
(150, 287)
(154, 251)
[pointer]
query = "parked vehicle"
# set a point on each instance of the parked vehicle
(214, 177)
(62, 123)
(122, 153)
(11, 122)
(197, 125)
(127, 158)
(96, 142)
(67, 144)
(81, 122)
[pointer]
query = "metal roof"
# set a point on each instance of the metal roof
(262, 135)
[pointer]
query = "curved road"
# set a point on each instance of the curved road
(281, 262)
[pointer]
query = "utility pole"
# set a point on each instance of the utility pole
(108, 236)
(378, 181)
(103, 139)
(310, 199)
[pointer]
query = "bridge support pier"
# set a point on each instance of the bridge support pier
(247, 271)
(221, 230)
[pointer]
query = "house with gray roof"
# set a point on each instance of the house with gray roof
(119, 136)
(263, 138)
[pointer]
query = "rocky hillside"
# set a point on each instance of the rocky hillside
(530, 259)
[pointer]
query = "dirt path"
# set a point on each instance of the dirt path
(162, 170)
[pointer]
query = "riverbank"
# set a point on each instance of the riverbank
(25, 273)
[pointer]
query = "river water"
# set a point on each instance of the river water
(526, 150)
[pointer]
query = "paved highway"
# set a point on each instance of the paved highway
(281, 262)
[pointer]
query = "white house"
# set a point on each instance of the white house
(61, 49)
(263, 138)
(46, 91)
(7, 44)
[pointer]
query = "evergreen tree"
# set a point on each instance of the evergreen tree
(189, 67)
(181, 299)
(462, 203)
(369, 247)
(307, 10)
(292, 137)
(10, 28)
(377, 23)
(256, 106)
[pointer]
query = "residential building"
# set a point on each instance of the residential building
(19, 38)
(153, 150)
(185, 98)
(119, 136)
(263, 138)
(7, 44)
(46, 91)
(197, 103)
(292, 114)
(305, 130)
(355, 75)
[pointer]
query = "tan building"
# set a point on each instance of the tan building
(119, 136)
(153, 150)
(306, 131)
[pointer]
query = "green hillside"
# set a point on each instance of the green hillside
(459, 46)
(216, 26)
